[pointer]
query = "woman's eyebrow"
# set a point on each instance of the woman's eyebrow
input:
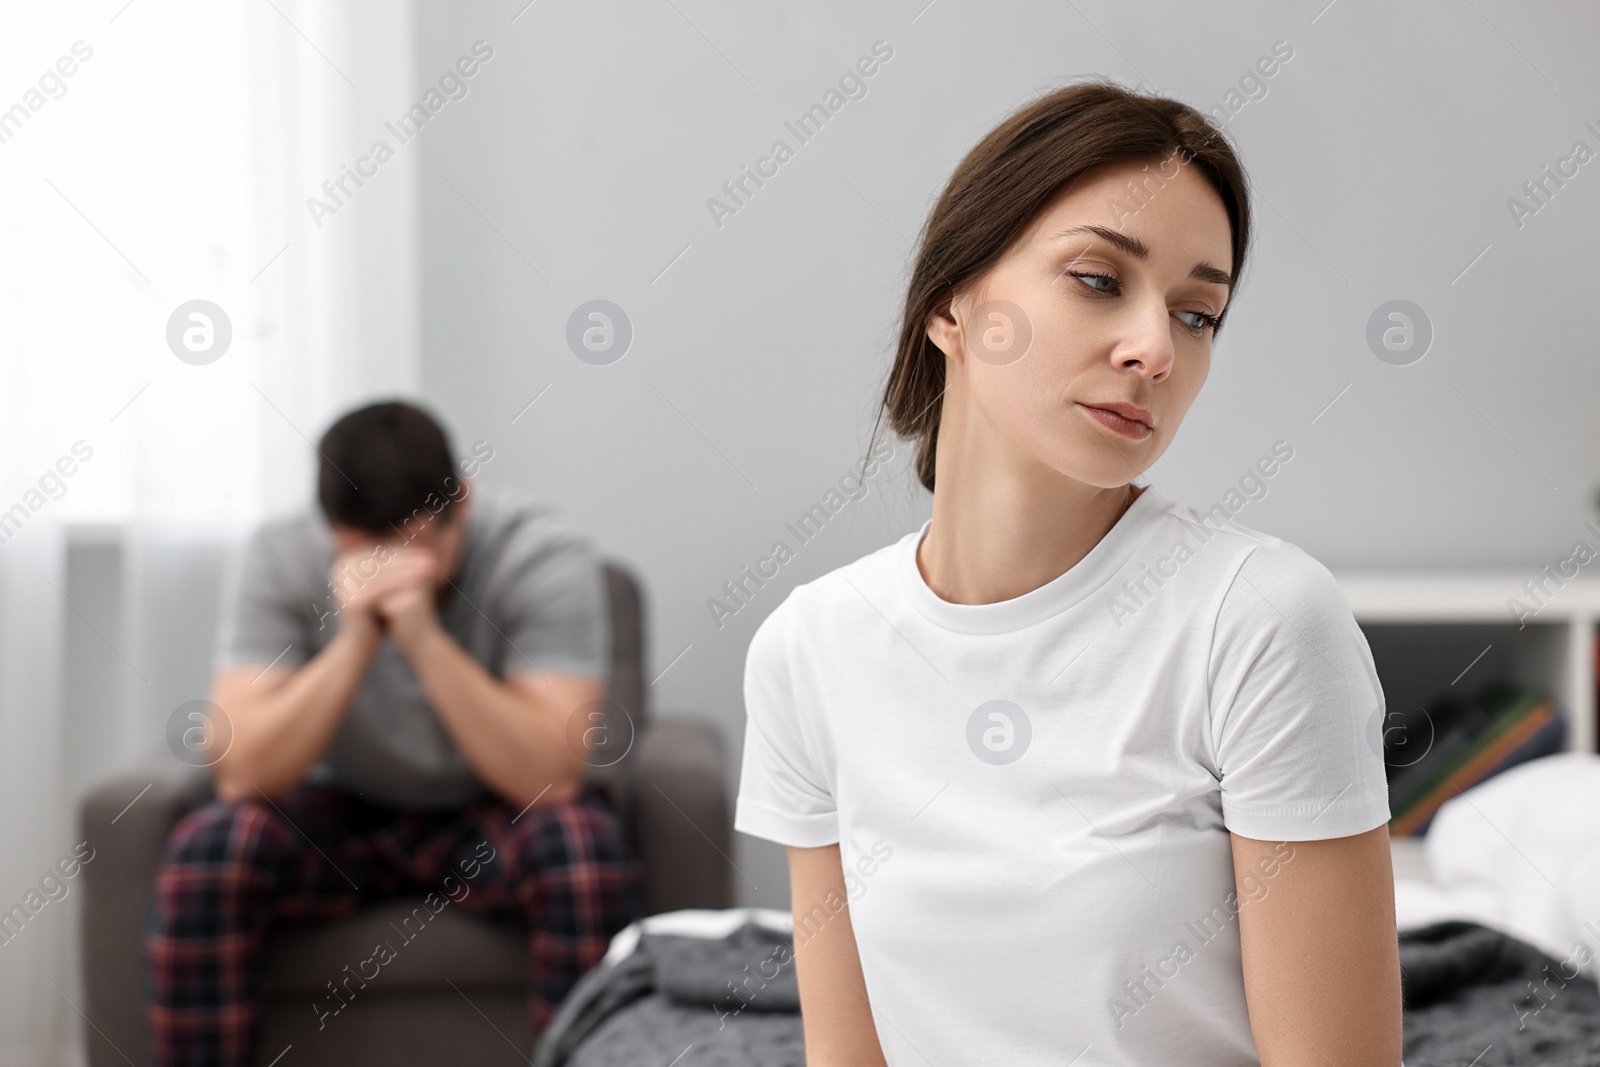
(1202, 271)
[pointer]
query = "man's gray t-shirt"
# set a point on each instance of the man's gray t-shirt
(529, 595)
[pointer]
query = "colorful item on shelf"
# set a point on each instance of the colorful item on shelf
(1502, 725)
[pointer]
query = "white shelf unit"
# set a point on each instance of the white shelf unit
(1553, 650)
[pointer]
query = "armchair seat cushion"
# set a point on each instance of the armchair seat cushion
(470, 951)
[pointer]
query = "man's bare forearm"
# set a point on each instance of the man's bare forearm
(521, 756)
(279, 735)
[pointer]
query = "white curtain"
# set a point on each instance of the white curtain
(37, 828)
(174, 165)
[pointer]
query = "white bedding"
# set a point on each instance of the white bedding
(694, 922)
(1519, 853)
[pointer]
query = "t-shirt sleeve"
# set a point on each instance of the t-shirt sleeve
(264, 613)
(1295, 704)
(557, 614)
(782, 796)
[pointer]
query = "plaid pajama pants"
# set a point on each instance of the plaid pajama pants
(234, 873)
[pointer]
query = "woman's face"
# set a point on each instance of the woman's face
(1104, 300)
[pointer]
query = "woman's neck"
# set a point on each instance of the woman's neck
(996, 537)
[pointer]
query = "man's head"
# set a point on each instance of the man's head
(386, 476)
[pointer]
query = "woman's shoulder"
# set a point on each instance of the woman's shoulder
(1245, 545)
(871, 569)
(817, 601)
(1253, 572)
(1271, 581)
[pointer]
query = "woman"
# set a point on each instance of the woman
(1076, 774)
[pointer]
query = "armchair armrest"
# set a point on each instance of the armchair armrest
(126, 821)
(682, 820)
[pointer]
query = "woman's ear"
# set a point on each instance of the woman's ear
(945, 326)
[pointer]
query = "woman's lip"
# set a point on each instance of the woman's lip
(1112, 421)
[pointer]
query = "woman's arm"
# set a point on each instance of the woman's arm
(839, 1030)
(1320, 949)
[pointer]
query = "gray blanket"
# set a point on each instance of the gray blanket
(685, 1001)
(1472, 996)
(1475, 995)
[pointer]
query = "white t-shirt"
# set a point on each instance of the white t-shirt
(1032, 798)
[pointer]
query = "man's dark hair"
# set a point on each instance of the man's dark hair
(384, 463)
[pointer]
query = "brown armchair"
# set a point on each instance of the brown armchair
(461, 994)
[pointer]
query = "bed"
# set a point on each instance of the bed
(1497, 924)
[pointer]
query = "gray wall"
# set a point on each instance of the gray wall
(1383, 153)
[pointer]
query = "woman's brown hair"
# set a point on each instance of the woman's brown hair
(1002, 185)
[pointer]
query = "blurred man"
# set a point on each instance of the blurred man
(396, 677)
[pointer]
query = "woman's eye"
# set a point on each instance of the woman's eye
(1081, 275)
(1202, 320)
